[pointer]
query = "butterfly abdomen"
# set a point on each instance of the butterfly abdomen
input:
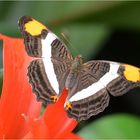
(74, 72)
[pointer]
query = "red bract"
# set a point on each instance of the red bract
(19, 110)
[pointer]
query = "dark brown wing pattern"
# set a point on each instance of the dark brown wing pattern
(32, 41)
(62, 60)
(118, 86)
(40, 83)
(84, 108)
(101, 78)
(48, 72)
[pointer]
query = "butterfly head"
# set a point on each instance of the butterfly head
(78, 60)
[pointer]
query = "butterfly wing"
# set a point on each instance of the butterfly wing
(96, 79)
(33, 32)
(48, 72)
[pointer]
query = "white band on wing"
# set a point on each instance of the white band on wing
(102, 83)
(46, 55)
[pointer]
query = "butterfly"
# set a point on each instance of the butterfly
(89, 84)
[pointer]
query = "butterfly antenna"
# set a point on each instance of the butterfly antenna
(66, 40)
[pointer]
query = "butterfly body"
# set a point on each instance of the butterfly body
(89, 84)
(75, 68)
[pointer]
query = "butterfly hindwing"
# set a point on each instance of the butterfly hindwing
(96, 79)
(40, 83)
(52, 63)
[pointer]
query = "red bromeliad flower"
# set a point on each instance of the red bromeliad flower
(19, 110)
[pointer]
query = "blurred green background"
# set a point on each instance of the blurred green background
(97, 30)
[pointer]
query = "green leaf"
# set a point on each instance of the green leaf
(114, 14)
(52, 13)
(121, 126)
(85, 40)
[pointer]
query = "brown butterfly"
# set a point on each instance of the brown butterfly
(88, 84)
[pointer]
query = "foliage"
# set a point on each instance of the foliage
(87, 26)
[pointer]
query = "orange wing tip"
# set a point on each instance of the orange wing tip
(54, 98)
(31, 26)
(68, 105)
(132, 73)
(34, 27)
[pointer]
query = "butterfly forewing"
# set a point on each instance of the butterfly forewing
(62, 60)
(52, 63)
(33, 32)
